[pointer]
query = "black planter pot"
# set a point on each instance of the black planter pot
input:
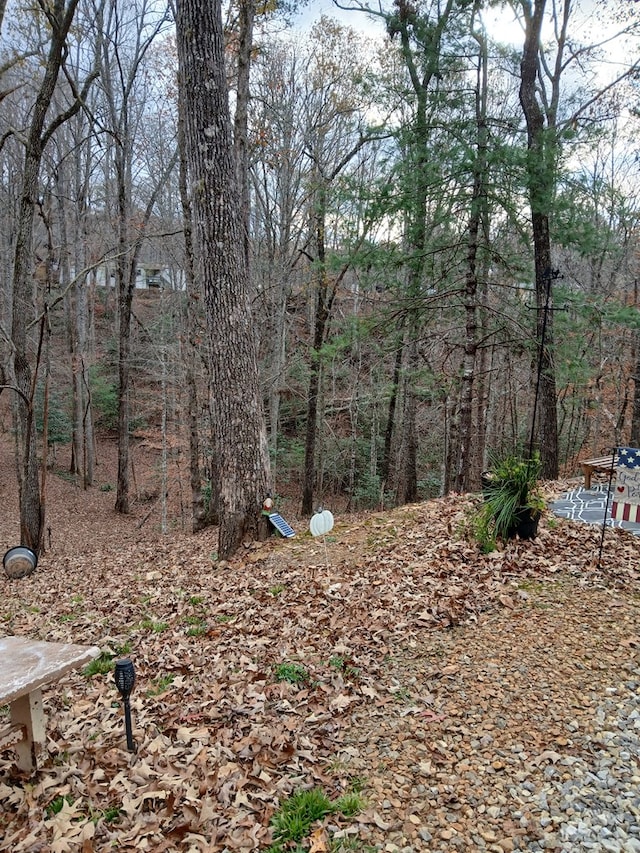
(525, 524)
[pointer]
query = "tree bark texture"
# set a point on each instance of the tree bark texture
(408, 23)
(247, 10)
(31, 507)
(541, 180)
(634, 439)
(466, 476)
(202, 515)
(321, 316)
(238, 434)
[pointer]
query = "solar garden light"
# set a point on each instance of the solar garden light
(125, 677)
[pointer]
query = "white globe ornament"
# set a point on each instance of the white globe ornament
(321, 522)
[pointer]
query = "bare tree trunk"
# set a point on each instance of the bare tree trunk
(406, 463)
(247, 9)
(464, 478)
(315, 377)
(31, 507)
(541, 179)
(634, 438)
(391, 413)
(125, 283)
(239, 435)
(321, 316)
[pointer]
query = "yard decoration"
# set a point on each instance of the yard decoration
(321, 522)
(277, 522)
(625, 495)
(19, 562)
(125, 678)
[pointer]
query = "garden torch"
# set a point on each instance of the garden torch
(125, 677)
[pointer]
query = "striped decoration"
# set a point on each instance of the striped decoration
(625, 512)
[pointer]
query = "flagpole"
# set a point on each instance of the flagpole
(606, 507)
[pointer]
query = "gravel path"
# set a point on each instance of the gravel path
(520, 734)
(593, 802)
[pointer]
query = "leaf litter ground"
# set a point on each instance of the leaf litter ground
(438, 680)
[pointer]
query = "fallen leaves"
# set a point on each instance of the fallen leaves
(421, 654)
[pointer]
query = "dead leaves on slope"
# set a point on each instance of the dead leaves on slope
(220, 740)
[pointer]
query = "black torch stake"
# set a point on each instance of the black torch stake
(125, 676)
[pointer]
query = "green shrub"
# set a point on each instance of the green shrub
(104, 398)
(509, 490)
(59, 423)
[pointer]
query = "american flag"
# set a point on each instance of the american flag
(626, 494)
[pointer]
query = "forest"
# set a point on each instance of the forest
(433, 256)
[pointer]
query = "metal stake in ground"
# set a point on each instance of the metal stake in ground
(606, 506)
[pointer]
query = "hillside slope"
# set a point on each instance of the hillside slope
(455, 691)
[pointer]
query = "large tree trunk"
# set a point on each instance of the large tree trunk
(239, 436)
(203, 514)
(541, 179)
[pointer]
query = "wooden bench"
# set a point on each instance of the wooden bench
(602, 464)
(25, 667)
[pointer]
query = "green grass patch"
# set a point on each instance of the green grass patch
(297, 814)
(349, 804)
(111, 815)
(159, 685)
(151, 625)
(102, 665)
(293, 673)
(197, 630)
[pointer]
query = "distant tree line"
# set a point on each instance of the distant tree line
(396, 256)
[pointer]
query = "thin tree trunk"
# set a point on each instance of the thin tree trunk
(31, 507)
(634, 438)
(464, 479)
(541, 179)
(391, 413)
(321, 316)
(247, 10)
(407, 485)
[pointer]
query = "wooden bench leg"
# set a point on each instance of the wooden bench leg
(587, 470)
(27, 711)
